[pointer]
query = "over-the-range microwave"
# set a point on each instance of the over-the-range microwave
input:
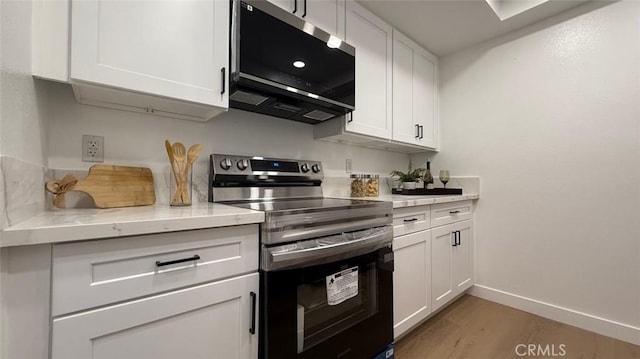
(284, 66)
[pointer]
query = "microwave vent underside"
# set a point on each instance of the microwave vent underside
(248, 98)
(318, 115)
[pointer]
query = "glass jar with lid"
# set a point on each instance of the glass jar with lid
(372, 187)
(357, 185)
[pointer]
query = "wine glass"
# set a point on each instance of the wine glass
(444, 177)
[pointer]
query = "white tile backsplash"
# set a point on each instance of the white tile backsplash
(22, 187)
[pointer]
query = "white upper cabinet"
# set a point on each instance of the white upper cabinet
(396, 89)
(328, 15)
(175, 49)
(372, 39)
(414, 93)
(165, 57)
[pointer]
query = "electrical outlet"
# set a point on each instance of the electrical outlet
(92, 148)
(348, 165)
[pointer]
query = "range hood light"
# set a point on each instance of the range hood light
(312, 95)
(334, 42)
(292, 89)
(299, 64)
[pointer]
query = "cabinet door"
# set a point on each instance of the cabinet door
(289, 5)
(462, 265)
(322, 13)
(372, 39)
(206, 321)
(442, 242)
(405, 128)
(173, 49)
(424, 97)
(411, 280)
(414, 101)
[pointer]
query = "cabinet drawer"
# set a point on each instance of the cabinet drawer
(211, 320)
(445, 213)
(94, 273)
(410, 220)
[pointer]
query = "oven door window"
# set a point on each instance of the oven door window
(317, 318)
(298, 319)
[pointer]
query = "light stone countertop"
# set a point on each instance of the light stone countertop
(401, 201)
(64, 225)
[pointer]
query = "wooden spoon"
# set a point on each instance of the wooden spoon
(167, 145)
(178, 155)
(192, 155)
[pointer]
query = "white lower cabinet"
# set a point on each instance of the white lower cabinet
(433, 264)
(207, 321)
(451, 261)
(190, 294)
(411, 280)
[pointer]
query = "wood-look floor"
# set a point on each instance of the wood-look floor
(478, 329)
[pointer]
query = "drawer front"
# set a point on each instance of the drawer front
(410, 219)
(94, 273)
(445, 213)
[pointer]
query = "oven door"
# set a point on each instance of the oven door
(336, 309)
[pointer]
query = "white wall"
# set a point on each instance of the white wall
(549, 118)
(23, 158)
(23, 129)
(138, 139)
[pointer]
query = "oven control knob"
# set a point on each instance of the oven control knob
(304, 168)
(242, 165)
(315, 168)
(225, 164)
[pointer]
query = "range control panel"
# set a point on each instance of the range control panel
(256, 165)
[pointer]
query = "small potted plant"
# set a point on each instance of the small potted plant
(408, 178)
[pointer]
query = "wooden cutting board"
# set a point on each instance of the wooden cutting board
(114, 186)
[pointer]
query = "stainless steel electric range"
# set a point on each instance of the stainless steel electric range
(326, 264)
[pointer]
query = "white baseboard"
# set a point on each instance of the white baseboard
(585, 321)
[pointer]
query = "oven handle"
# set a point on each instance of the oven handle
(275, 259)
